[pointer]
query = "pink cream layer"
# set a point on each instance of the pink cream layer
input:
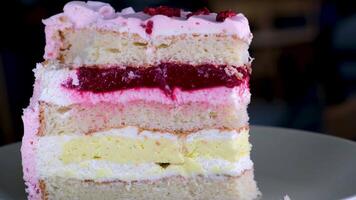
(101, 16)
(28, 151)
(212, 96)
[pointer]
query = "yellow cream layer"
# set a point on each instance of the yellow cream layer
(131, 146)
(106, 171)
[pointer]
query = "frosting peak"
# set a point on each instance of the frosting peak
(82, 14)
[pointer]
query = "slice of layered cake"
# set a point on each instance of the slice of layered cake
(140, 105)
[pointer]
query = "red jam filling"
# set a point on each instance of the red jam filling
(202, 11)
(148, 27)
(176, 12)
(221, 16)
(165, 76)
(162, 10)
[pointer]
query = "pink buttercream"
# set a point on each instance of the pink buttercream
(28, 151)
(213, 96)
(82, 14)
(102, 16)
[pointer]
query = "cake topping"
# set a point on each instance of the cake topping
(225, 14)
(101, 16)
(127, 11)
(202, 11)
(84, 13)
(162, 10)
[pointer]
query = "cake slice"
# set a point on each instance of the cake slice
(140, 105)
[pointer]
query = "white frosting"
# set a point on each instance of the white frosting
(135, 133)
(213, 134)
(206, 134)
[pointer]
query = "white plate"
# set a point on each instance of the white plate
(300, 164)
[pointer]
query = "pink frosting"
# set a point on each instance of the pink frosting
(28, 150)
(102, 16)
(82, 14)
(213, 96)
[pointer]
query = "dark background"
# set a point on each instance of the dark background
(304, 73)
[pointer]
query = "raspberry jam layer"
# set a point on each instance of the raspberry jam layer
(165, 76)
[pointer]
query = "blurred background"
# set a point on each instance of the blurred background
(304, 73)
